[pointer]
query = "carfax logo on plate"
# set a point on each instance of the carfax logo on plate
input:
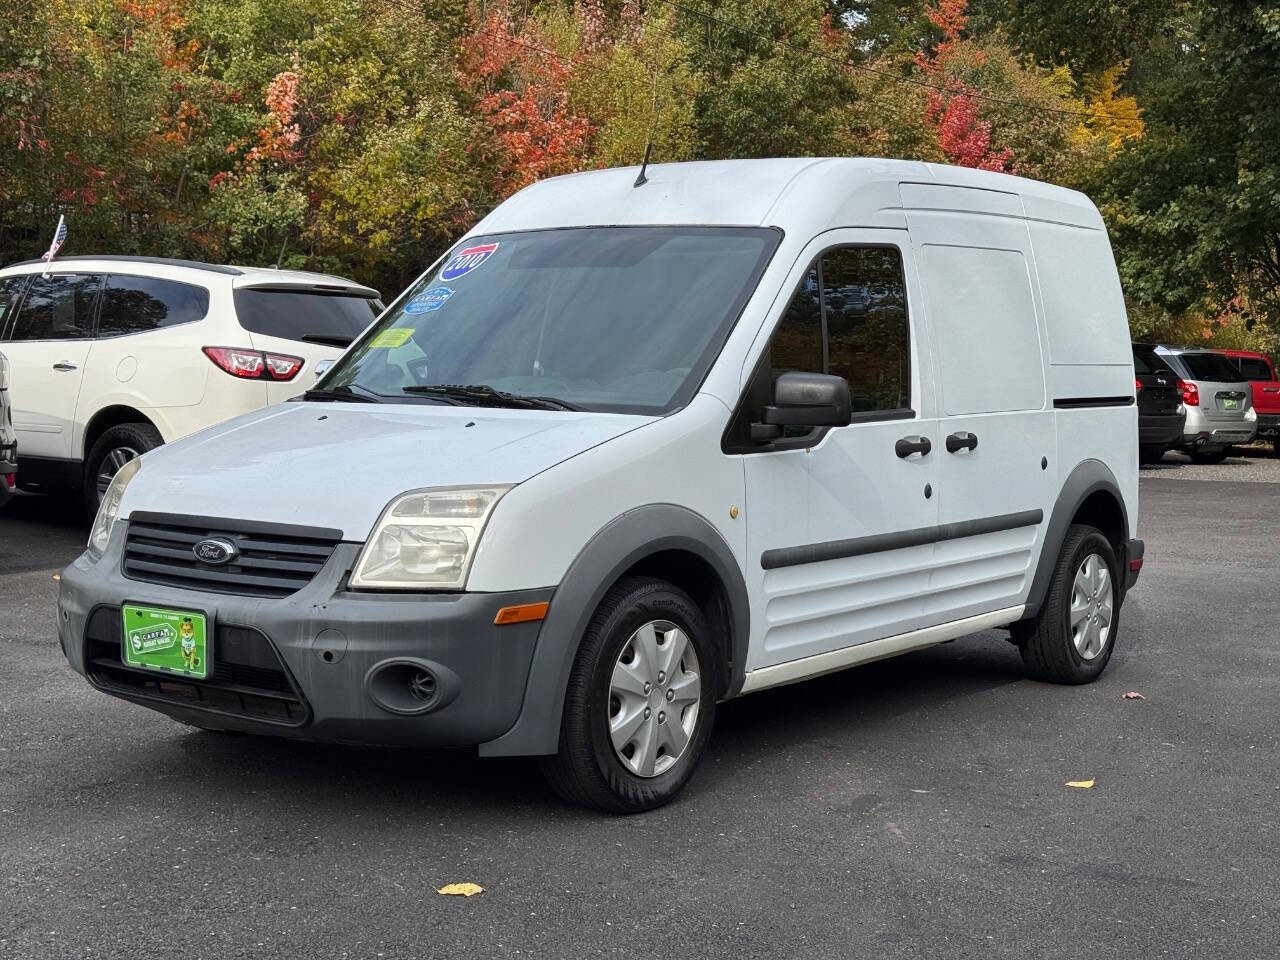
(428, 301)
(464, 261)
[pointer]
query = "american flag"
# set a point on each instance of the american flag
(59, 238)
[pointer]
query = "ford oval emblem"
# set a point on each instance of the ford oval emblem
(215, 551)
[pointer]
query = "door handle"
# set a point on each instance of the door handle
(909, 445)
(961, 441)
(65, 365)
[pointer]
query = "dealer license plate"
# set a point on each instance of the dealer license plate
(169, 641)
(1230, 403)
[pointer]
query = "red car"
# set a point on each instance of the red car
(1258, 369)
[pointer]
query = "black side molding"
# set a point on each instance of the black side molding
(860, 546)
(1075, 403)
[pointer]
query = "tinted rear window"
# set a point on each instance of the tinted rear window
(1147, 361)
(1253, 369)
(1212, 367)
(139, 304)
(327, 318)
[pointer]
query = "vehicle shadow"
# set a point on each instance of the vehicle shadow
(394, 783)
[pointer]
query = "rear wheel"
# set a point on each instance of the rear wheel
(116, 447)
(1151, 453)
(641, 701)
(1209, 456)
(1070, 640)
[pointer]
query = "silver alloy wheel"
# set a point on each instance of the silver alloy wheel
(653, 698)
(116, 458)
(1092, 607)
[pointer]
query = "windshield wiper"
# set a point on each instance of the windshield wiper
(483, 395)
(342, 394)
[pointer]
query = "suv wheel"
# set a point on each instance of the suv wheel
(1151, 453)
(116, 447)
(640, 703)
(1071, 639)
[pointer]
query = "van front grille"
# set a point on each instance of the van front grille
(248, 678)
(265, 564)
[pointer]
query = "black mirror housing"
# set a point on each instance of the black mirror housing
(805, 400)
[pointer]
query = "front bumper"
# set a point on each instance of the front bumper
(324, 663)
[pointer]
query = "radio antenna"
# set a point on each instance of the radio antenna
(641, 179)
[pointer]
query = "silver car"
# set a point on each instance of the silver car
(1219, 403)
(8, 442)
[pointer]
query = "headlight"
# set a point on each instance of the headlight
(110, 507)
(425, 539)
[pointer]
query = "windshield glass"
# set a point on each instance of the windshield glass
(622, 319)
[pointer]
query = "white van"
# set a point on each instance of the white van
(638, 445)
(112, 356)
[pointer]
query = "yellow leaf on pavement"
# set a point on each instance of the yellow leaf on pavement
(461, 889)
(1082, 784)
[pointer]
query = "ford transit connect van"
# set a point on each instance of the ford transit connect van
(635, 446)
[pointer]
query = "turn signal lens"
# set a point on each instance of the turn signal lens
(1190, 393)
(524, 613)
(253, 364)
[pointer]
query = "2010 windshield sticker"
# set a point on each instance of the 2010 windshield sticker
(464, 261)
(428, 301)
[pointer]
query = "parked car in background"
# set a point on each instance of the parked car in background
(1258, 369)
(581, 483)
(1218, 402)
(1161, 414)
(112, 356)
(8, 442)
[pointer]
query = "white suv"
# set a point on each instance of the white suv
(112, 356)
(636, 446)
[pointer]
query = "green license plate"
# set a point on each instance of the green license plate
(171, 641)
(1230, 403)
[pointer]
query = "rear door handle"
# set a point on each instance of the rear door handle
(65, 365)
(909, 445)
(961, 441)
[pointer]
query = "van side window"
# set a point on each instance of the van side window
(57, 307)
(849, 318)
(139, 304)
(868, 336)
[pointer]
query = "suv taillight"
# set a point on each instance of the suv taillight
(1137, 386)
(254, 364)
(1190, 393)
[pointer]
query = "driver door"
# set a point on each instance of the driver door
(841, 521)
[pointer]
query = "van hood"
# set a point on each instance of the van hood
(338, 465)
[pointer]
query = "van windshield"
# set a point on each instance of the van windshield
(619, 319)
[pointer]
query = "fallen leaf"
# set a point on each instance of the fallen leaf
(1082, 784)
(1134, 695)
(461, 889)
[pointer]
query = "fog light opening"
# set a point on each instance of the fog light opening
(408, 686)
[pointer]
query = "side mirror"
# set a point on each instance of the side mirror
(804, 400)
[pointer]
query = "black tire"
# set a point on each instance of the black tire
(1208, 456)
(1048, 651)
(136, 437)
(1151, 453)
(1275, 449)
(587, 770)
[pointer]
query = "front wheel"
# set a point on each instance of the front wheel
(111, 451)
(1070, 640)
(640, 703)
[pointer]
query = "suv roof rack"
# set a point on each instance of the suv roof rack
(121, 258)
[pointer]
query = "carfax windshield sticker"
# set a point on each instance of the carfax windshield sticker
(428, 301)
(390, 339)
(464, 261)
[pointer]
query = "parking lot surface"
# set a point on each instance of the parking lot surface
(915, 807)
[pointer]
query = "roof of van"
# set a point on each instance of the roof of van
(258, 277)
(809, 192)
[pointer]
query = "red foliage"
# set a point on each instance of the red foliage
(952, 109)
(522, 89)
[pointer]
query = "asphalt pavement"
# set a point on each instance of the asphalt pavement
(916, 807)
